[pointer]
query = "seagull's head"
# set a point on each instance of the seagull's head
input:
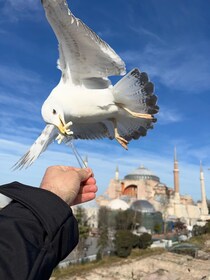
(53, 114)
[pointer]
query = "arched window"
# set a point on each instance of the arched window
(130, 190)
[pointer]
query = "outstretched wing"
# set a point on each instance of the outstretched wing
(83, 54)
(40, 145)
(92, 131)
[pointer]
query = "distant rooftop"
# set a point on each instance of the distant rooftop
(118, 204)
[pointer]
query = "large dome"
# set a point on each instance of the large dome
(143, 206)
(142, 173)
(118, 204)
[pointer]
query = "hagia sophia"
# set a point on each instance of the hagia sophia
(141, 190)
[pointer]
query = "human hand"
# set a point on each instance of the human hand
(73, 185)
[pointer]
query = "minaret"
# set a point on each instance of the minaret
(204, 208)
(117, 174)
(176, 176)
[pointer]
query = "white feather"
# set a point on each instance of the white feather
(40, 145)
(83, 54)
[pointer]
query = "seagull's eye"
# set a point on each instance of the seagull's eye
(54, 112)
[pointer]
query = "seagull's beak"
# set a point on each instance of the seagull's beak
(61, 125)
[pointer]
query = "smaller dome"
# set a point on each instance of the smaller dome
(143, 206)
(141, 229)
(118, 204)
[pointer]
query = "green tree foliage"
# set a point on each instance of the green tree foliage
(121, 223)
(84, 229)
(124, 241)
(127, 220)
(198, 230)
(81, 217)
(103, 217)
(135, 241)
(207, 227)
(103, 225)
(145, 240)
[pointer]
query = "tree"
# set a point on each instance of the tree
(164, 201)
(145, 240)
(109, 222)
(207, 227)
(124, 241)
(198, 230)
(103, 224)
(127, 220)
(84, 230)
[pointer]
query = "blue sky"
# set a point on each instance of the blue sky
(168, 39)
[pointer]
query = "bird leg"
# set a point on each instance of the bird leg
(138, 115)
(119, 138)
(65, 132)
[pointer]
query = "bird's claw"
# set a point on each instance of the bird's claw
(60, 138)
(67, 131)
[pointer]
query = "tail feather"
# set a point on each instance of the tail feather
(149, 88)
(136, 92)
(133, 128)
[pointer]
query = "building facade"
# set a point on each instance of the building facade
(143, 185)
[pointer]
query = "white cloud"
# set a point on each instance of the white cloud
(167, 116)
(201, 153)
(184, 68)
(25, 104)
(23, 5)
(20, 79)
(19, 116)
(18, 9)
(140, 30)
(21, 101)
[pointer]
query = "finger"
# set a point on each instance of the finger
(84, 174)
(89, 181)
(81, 198)
(88, 188)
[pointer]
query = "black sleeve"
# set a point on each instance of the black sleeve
(37, 230)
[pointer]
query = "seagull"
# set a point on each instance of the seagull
(85, 104)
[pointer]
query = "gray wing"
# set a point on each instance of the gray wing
(92, 131)
(128, 127)
(83, 54)
(47, 136)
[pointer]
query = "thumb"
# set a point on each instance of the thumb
(85, 174)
